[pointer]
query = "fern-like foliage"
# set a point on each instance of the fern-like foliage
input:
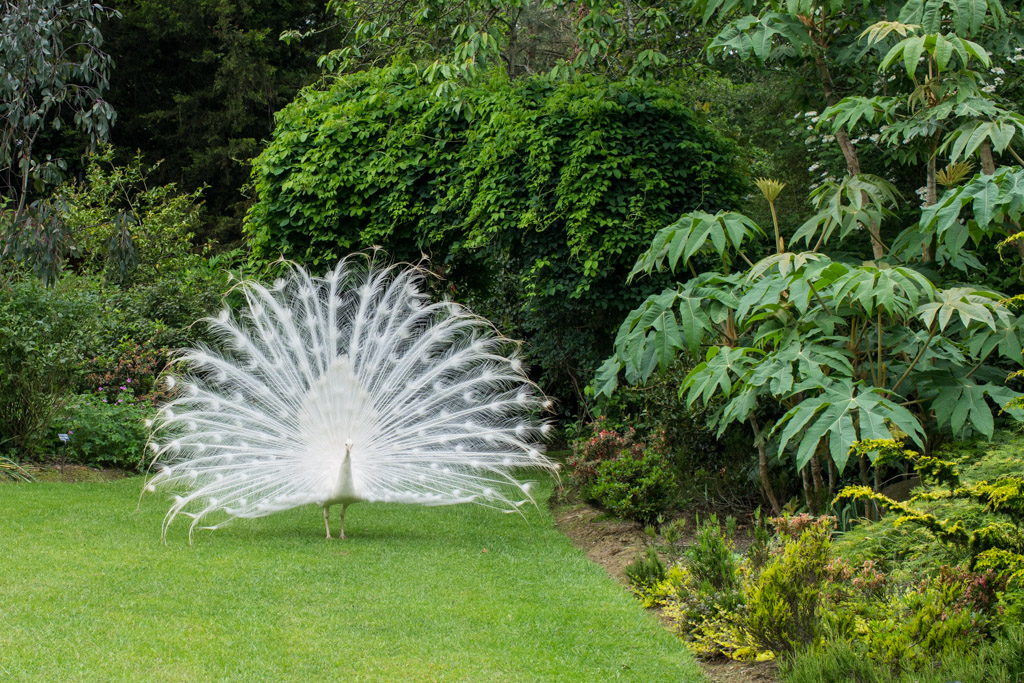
(997, 545)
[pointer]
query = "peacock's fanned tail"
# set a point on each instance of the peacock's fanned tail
(435, 403)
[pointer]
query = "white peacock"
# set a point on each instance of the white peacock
(347, 388)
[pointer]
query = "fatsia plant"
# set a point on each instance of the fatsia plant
(831, 351)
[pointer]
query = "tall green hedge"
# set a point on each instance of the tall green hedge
(532, 190)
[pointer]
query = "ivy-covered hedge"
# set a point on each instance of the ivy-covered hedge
(545, 190)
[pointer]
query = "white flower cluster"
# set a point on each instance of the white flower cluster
(998, 73)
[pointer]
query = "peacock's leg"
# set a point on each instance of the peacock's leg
(327, 520)
(341, 532)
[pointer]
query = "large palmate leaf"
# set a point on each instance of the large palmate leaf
(992, 199)
(1005, 340)
(855, 203)
(969, 305)
(802, 363)
(942, 49)
(844, 413)
(722, 368)
(895, 291)
(850, 111)
(650, 336)
(961, 404)
(761, 37)
(963, 142)
(968, 16)
(676, 244)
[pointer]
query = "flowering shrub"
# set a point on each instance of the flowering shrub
(629, 477)
(134, 367)
(603, 444)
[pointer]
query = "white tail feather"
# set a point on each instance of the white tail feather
(423, 403)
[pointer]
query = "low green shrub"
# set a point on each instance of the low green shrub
(635, 486)
(41, 333)
(761, 537)
(999, 661)
(107, 432)
(646, 570)
(712, 558)
(782, 603)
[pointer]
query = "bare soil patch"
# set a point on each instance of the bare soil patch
(613, 544)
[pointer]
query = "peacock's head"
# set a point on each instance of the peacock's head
(348, 446)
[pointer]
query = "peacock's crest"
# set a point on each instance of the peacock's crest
(351, 387)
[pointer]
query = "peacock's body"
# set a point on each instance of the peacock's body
(351, 387)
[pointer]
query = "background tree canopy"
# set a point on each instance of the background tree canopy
(547, 188)
(197, 83)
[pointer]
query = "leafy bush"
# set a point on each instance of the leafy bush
(41, 332)
(107, 433)
(712, 559)
(717, 467)
(782, 604)
(552, 186)
(123, 228)
(993, 542)
(635, 486)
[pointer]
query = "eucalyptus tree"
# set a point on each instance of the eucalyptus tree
(53, 72)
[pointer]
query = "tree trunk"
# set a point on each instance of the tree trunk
(762, 461)
(846, 145)
(931, 196)
(808, 499)
(866, 481)
(988, 167)
(988, 164)
(833, 474)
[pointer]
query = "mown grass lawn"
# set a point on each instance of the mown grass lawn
(88, 592)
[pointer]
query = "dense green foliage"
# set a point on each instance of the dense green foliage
(827, 347)
(552, 188)
(39, 356)
(127, 297)
(883, 593)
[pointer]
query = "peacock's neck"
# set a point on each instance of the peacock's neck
(344, 488)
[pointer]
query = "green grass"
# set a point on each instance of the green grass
(88, 592)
